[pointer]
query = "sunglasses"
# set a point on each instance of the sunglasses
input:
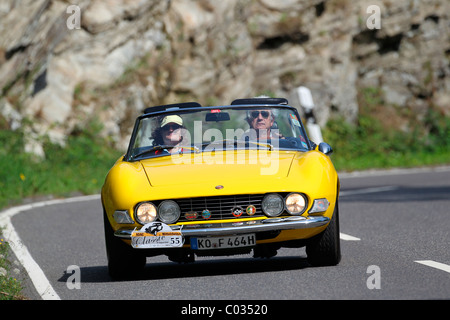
(171, 126)
(264, 114)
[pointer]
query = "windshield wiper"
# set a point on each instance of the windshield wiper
(165, 146)
(267, 145)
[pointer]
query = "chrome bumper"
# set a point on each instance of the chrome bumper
(220, 229)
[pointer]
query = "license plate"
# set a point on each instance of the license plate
(156, 235)
(206, 243)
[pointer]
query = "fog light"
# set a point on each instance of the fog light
(295, 203)
(272, 205)
(145, 213)
(169, 211)
(319, 205)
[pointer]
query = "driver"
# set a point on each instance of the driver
(261, 123)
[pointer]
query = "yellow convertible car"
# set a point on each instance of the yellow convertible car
(221, 180)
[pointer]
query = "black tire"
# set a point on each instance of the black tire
(325, 248)
(123, 261)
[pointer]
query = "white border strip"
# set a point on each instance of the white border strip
(37, 276)
(347, 237)
(434, 264)
(393, 171)
(367, 190)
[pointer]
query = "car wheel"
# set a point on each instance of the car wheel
(325, 248)
(123, 262)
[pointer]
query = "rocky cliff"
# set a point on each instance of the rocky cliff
(64, 63)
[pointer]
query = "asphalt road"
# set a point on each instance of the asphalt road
(395, 245)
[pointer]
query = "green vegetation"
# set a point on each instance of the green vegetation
(10, 287)
(79, 167)
(377, 142)
(371, 146)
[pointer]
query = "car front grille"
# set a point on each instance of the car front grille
(220, 207)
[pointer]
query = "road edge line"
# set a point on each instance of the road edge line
(36, 274)
(434, 264)
(347, 237)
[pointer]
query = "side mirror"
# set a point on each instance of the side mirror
(325, 148)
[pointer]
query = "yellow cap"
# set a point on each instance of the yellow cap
(172, 119)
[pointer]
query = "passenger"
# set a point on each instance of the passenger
(171, 134)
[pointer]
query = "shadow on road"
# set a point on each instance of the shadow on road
(201, 268)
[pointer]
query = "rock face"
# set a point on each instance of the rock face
(64, 63)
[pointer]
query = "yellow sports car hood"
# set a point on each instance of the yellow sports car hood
(217, 167)
(219, 173)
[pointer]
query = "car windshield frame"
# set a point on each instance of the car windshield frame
(195, 147)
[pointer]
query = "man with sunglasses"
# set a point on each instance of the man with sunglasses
(261, 122)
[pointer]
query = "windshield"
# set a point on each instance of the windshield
(259, 127)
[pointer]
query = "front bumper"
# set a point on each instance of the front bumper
(249, 226)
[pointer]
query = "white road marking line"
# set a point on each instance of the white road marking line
(393, 171)
(367, 190)
(37, 276)
(347, 237)
(434, 264)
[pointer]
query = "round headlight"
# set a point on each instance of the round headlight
(295, 203)
(272, 205)
(169, 211)
(145, 213)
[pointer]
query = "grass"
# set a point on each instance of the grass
(10, 287)
(79, 167)
(357, 148)
(376, 142)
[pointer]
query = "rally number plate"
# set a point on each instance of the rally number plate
(238, 241)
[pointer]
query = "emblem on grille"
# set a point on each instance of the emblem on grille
(219, 187)
(206, 214)
(237, 211)
(191, 215)
(251, 210)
